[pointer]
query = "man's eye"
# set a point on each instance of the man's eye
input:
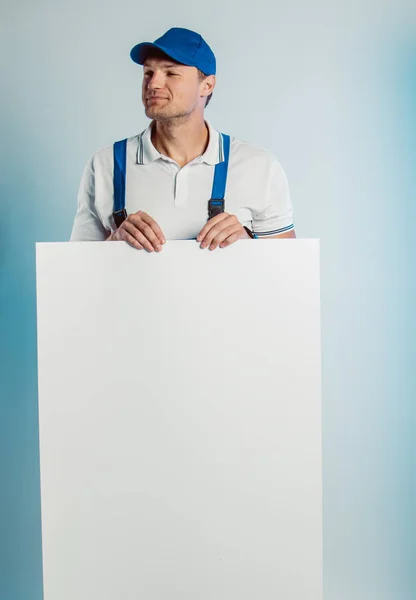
(171, 73)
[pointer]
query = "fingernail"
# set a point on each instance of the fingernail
(158, 248)
(198, 239)
(163, 241)
(204, 245)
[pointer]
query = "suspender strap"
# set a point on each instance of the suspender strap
(119, 182)
(216, 204)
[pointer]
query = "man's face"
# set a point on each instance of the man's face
(170, 90)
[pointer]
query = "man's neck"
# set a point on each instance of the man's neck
(182, 141)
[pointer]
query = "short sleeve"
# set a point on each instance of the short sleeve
(276, 214)
(87, 225)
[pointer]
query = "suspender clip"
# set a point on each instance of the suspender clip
(215, 207)
(250, 233)
(119, 216)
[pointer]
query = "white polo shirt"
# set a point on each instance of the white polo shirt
(177, 198)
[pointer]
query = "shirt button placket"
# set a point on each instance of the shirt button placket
(181, 187)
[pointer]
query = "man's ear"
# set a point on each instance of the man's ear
(209, 85)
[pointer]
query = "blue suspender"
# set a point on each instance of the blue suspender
(119, 182)
(215, 205)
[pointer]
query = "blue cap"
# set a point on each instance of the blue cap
(184, 46)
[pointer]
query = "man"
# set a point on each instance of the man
(180, 178)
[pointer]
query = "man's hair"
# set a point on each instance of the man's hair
(156, 53)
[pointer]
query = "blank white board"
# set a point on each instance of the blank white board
(180, 421)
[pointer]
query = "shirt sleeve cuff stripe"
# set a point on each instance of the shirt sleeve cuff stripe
(275, 231)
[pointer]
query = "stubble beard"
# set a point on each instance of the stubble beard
(167, 115)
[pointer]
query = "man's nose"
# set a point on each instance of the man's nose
(156, 81)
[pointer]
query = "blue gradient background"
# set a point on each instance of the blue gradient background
(331, 90)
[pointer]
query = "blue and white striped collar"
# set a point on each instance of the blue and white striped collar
(147, 153)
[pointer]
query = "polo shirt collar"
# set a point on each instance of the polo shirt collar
(147, 153)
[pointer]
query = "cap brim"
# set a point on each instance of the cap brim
(139, 53)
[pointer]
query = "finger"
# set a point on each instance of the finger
(146, 236)
(224, 234)
(211, 223)
(154, 225)
(143, 226)
(140, 225)
(132, 241)
(122, 235)
(128, 227)
(151, 236)
(230, 240)
(230, 221)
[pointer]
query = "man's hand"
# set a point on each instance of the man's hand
(222, 230)
(140, 231)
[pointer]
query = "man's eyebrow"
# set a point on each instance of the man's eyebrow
(164, 65)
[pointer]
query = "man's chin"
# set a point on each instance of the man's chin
(157, 114)
(163, 115)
